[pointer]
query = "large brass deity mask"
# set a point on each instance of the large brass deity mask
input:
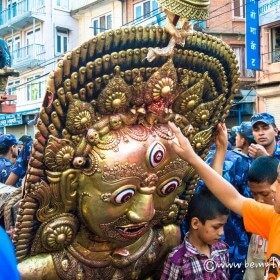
(135, 188)
(104, 194)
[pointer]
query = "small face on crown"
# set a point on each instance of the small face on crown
(115, 122)
(135, 189)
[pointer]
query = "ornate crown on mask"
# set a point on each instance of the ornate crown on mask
(197, 9)
(106, 86)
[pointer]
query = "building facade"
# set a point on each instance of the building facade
(40, 31)
(227, 22)
(268, 78)
(96, 16)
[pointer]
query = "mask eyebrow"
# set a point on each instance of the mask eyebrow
(120, 171)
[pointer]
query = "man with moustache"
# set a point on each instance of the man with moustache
(265, 133)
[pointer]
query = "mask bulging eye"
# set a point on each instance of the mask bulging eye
(169, 187)
(124, 196)
(157, 154)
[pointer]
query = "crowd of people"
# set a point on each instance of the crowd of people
(233, 222)
(14, 157)
(249, 188)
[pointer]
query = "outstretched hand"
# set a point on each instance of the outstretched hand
(221, 188)
(182, 147)
(221, 138)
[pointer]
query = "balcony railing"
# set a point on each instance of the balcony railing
(28, 57)
(21, 8)
(276, 55)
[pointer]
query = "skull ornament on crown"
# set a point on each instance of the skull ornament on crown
(104, 194)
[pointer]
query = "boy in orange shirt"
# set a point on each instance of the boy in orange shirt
(258, 218)
(261, 175)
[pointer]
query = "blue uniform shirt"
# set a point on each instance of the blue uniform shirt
(5, 169)
(21, 164)
(277, 151)
(235, 171)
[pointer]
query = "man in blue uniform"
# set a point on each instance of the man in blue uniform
(265, 134)
(18, 170)
(8, 155)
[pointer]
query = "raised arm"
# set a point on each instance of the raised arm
(221, 141)
(222, 189)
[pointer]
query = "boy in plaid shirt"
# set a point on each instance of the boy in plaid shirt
(202, 255)
(259, 218)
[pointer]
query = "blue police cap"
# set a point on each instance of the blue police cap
(234, 130)
(7, 140)
(245, 129)
(262, 117)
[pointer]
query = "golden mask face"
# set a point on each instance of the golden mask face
(87, 159)
(130, 195)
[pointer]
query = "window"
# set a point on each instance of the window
(148, 13)
(239, 8)
(32, 38)
(61, 41)
(34, 88)
(40, 3)
(199, 25)
(63, 4)
(14, 46)
(240, 56)
(145, 9)
(12, 88)
(238, 52)
(102, 23)
(12, 8)
(275, 36)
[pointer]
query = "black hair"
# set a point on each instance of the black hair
(205, 206)
(232, 140)
(263, 169)
(4, 150)
(25, 138)
(249, 141)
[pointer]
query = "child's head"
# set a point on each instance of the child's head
(207, 216)
(261, 175)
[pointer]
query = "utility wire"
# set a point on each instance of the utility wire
(138, 21)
